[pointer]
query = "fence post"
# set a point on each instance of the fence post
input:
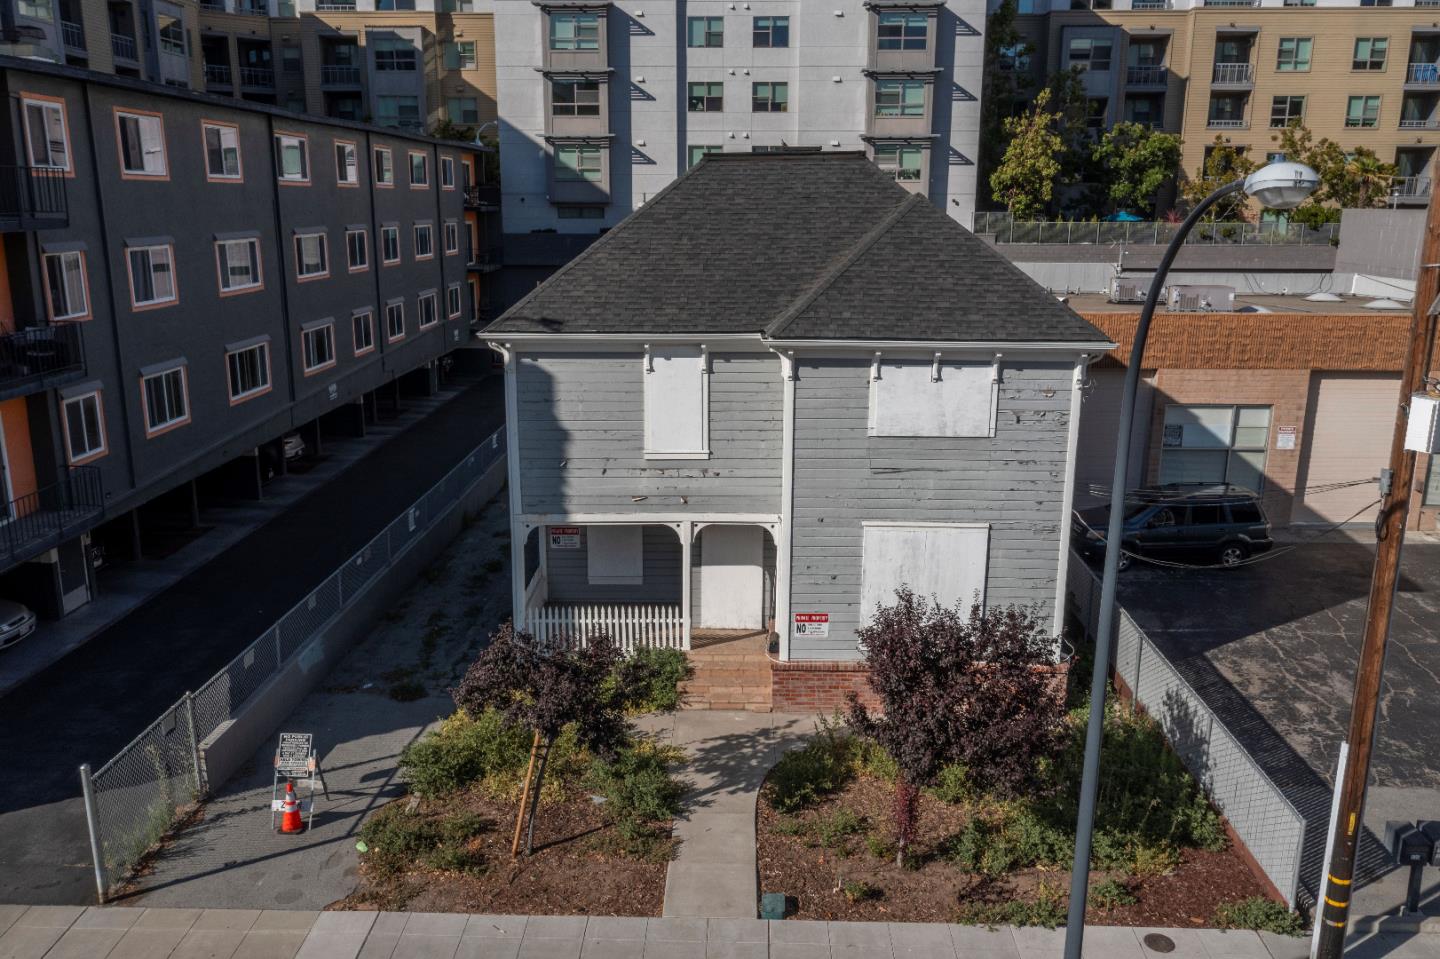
(189, 702)
(92, 821)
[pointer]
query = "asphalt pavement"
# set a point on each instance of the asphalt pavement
(88, 705)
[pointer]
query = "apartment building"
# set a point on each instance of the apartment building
(188, 279)
(1360, 72)
(146, 39)
(604, 104)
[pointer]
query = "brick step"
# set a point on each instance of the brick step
(711, 675)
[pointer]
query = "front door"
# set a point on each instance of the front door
(731, 579)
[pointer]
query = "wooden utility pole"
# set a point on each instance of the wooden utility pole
(1336, 887)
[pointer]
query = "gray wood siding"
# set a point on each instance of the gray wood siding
(568, 574)
(582, 438)
(843, 477)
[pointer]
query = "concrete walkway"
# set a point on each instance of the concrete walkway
(714, 874)
(72, 932)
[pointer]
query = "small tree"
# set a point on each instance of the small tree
(1025, 179)
(1137, 161)
(957, 687)
(1348, 178)
(1222, 164)
(1007, 80)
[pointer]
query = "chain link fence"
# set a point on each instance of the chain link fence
(1266, 821)
(1007, 229)
(153, 783)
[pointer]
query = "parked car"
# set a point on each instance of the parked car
(16, 622)
(1199, 523)
(293, 445)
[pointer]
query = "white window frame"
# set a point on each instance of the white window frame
(383, 159)
(364, 263)
(429, 230)
(93, 452)
(155, 429)
(324, 270)
(368, 316)
(398, 309)
(306, 335)
(949, 377)
(347, 160)
(51, 106)
(145, 121)
(264, 387)
(455, 308)
(282, 140)
(433, 299)
(67, 259)
(1233, 448)
(424, 182)
(615, 555)
(447, 173)
(385, 233)
(870, 592)
(661, 368)
(234, 133)
(452, 237)
(222, 266)
(169, 258)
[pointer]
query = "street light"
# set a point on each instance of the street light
(1279, 186)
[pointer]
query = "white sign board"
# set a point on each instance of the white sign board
(1285, 437)
(292, 758)
(812, 624)
(564, 537)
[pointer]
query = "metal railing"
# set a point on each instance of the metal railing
(1152, 4)
(1415, 187)
(1232, 3)
(1429, 123)
(148, 786)
(73, 34)
(1264, 818)
(47, 517)
(37, 358)
(218, 73)
(1233, 73)
(31, 197)
(257, 77)
(1423, 74)
(123, 47)
(335, 6)
(1006, 229)
(1227, 123)
(1145, 76)
(482, 195)
(332, 75)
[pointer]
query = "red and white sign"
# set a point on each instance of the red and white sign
(564, 537)
(812, 624)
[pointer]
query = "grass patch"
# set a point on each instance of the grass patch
(1045, 909)
(1260, 914)
(398, 838)
(1111, 894)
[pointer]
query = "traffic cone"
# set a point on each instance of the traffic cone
(290, 820)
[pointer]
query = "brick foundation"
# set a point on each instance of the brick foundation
(823, 686)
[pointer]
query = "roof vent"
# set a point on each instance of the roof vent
(1386, 304)
(1325, 298)
(1201, 299)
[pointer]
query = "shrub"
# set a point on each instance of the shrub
(1045, 909)
(879, 846)
(952, 785)
(1261, 914)
(820, 767)
(398, 839)
(650, 678)
(463, 751)
(859, 891)
(832, 831)
(1111, 894)
(637, 785)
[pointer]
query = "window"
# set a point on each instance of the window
(947, 561)
(292, 158)
(902, 162)
(312, 256)
(1015, 57)
(362, 332)
(142, 144)
(67, 292)
(172, 34)
(1286, 110)
(899, 98)
(676, 404)
(706, 31)
(292, 62)
(579, 161)
(395, 321)
(1215, 444)
(152, 276)
(452, 237)
(1370, 53)
(424, 241)
(318, 344)
(1293, 55)
(166, 404)
(389, 244)
(452, 301)
(347, 164)
(1362, 112)
(575, 98)
(429, 309)
(384, 167)
(907, 399)
(1088, 53)
(248, 369)
(222, 151)
(769, 97)
(697, 151)
(615, 555)
(574, 31)
(357, 250)
(419, 170)
(572, 211)
(398, 112)
(447, 173)
(706, 97)
(392, 54)
(46, 133)
(460, 55)
(1227, 111)
(463, 110)
(772, 32)
(1432, 483)
(84, 428)
(238, 264)
(37, 9)
(901, 31)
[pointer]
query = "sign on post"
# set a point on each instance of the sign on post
(295, 759)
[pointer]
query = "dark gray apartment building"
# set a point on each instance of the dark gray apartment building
(188, 280)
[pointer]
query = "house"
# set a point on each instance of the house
(779, 390)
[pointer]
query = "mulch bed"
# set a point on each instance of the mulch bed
(938, 890)
(573, 870)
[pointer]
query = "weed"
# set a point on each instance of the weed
(1045, 909)
(790, 826)
(1260, 913)
(880, 847)
(831, 831)
(1111, 894)
(398, 838)
(859, 891)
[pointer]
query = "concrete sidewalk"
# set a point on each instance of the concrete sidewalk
(61, 932)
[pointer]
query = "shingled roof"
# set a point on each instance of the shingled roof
(794, 246)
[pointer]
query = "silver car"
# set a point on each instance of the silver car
(16, 622)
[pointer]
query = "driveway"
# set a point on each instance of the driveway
(1272, 648)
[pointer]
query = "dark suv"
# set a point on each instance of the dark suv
(1200, 523)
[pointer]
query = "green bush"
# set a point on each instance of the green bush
(820, 767)
(952, 785)
(1045, 909)
(637, 785)
(399, 838)
(463, 751)
(1111, 894)
(1261, 914)
(653, 676)
(831, 831)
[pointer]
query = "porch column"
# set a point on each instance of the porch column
(687, 536)
(518, 532)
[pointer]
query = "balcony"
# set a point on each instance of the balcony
(32, 198)
(1227, 123)
(1425, 75)
(123, 47)
(335, 6)
(1232, 3)
(39, 358)
(483, 197)
(1410, 189)
(1152, 4)
(1233, 75)
(219, 74)
(1145, 76)
(339, 76)
(48, 517)
(73, 34)
(261, 77)
(486, 261)
(1425, 123)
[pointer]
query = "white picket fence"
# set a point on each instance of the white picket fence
(630, 625)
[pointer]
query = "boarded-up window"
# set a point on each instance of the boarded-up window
(947, 563)
(615, 555)
(675, 413)
(907, 399)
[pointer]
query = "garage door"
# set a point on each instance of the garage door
(1351, 420)
(1099, 418)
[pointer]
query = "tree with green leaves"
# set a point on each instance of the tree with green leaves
(1006, 85)
(1348, 178)
(1223, 163)
(1025, 178)
(1136, 161)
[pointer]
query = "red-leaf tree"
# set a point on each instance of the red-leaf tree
(959, 688)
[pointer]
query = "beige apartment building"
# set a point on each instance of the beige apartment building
(1361, 74)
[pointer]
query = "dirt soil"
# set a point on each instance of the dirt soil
(575, 869)
(938, 890)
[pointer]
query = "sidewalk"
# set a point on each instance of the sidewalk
(53, 932)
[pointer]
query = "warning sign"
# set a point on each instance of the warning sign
(812, 624)
(564, 537)
(1285, 437)
(293, 757)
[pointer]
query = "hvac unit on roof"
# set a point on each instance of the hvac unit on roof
(1201, 299)
(1123, 290)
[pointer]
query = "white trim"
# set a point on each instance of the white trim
(531, 521)
(987, 347)
(519, 530)
(906, 524)
(696, 455)
(757, 342)
(787, 506)
(1067, 495)
(687, 551)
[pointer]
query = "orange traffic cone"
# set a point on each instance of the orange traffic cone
(290, 820)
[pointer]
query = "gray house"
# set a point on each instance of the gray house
(782, 388)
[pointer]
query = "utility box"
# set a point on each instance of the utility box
(1407, 845)
(1422, 427)
(1201, 299)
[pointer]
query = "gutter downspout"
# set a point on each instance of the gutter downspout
(518, 533)
(784, 542)
(1067, 496)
